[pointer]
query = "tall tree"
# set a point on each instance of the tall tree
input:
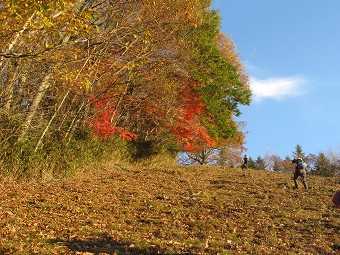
(277, 163)
(223, 87)
(261, 164)
(323, 166)
(252, 163)
(151, 72)
(287, 165)
(312, 162)
(298, 153)
(221, 82)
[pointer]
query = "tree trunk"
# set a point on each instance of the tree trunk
(9, 88)
(51, 120)
(45, 84)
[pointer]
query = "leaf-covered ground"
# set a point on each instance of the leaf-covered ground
(174, 210)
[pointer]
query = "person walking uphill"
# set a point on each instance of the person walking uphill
(245, 162)
(300, 170)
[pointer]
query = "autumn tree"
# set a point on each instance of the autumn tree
(166, 89)
(287, 165)
(222, 82)
(202, 157)
(277, 163)
(230, 156)
(76, 74)
(231, 152)
(37, 37)
(150, 81)
(335, 161)
(311, 161)
(223, 89)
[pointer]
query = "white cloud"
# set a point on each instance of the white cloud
(277, 88)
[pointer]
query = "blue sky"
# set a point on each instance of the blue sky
(291, 52)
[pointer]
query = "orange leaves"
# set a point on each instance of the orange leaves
(101, 122)
(194, 138)
(193, 106)
(189, 130)
(228, 50)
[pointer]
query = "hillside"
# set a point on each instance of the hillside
(175, 210)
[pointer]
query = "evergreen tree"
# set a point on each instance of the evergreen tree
(298, 153)
(324, 167)
(261, 163)
(252, 163)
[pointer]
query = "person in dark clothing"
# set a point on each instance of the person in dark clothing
(300, 170)
(336, 199)
(245, 162)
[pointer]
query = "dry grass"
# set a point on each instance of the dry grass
(175, 210)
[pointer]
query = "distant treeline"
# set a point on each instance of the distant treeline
(317, 164)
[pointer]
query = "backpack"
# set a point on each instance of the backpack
(301, 164)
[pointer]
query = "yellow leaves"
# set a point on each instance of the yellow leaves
(87, 85)
(72, 79)
(146, 41)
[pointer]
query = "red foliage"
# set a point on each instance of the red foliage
(193, 105)
(101, 121)
(189, 130)
(193, 138)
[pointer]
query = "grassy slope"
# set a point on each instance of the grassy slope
(197, 210)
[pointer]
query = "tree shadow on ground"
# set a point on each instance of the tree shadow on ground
(107, 245)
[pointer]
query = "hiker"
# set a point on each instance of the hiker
(336, 199)
(300, 170)
(245, 162)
